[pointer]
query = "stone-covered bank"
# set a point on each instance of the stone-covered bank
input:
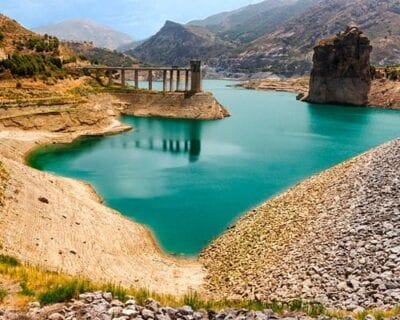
(334, 238)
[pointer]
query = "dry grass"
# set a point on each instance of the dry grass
(42, 92)
(3, 182)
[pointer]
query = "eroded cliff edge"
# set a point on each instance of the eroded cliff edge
(341, 72)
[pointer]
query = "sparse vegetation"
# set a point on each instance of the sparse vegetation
(3, 294)
(53, 287)
(29, 65)
(41, 44)
(8, 261)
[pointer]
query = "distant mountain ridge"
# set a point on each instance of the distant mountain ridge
(276, 36)
(88, 30)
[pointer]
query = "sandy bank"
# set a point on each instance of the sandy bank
(334, 238)
(383, 93)
(60, 223)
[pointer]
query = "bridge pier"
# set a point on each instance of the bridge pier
(150, 80)
(178, 79)
(171, 80)
(195, 67)
(186, 80)
(123, 82)
(136, 79)
(110, 80)
(164, 81)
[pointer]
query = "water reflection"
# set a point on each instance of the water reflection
(177, 137)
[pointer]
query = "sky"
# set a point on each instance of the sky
(138, 18)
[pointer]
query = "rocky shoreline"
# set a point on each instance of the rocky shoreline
(103, 306)
(383, 94)
(333, 238)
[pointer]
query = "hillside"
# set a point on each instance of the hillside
(292, 42)
(276, 36)
(24, 53)
(101, 56)
(250, 22)
(87, 30)
(177, 44)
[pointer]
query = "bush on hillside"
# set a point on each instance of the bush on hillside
(29, 65)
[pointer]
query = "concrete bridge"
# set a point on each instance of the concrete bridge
(171, 77)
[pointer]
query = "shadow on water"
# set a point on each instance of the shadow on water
(336, 118)
(41, 157)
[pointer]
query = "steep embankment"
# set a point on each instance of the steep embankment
(334, 237)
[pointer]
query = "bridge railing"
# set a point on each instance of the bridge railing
(172, 77)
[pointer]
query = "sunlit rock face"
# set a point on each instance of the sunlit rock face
(341, 69)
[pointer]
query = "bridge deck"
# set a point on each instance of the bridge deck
(169, 74)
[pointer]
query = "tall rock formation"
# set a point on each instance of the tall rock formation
(341, 69)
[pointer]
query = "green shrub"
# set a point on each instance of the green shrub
(64, 292)
(1, 36)
(7, 260)
(29, 65)
(18, 85)
(3, 294)
(25, 290)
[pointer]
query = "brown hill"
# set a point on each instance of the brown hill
(277, 37)
(292, 42)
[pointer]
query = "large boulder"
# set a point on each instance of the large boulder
(341, 71)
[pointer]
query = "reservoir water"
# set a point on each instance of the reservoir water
(189, 180)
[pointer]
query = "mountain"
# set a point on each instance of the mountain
(276, 35)
(221, 35)
(291, 44)
(86, 30)
(177, 44)
(250, 22)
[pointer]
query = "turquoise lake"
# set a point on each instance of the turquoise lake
(189, 180)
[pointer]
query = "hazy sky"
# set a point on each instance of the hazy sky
(139, 18)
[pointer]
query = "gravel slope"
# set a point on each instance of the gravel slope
(334, 238)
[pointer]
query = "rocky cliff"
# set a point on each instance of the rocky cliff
(341, 69)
